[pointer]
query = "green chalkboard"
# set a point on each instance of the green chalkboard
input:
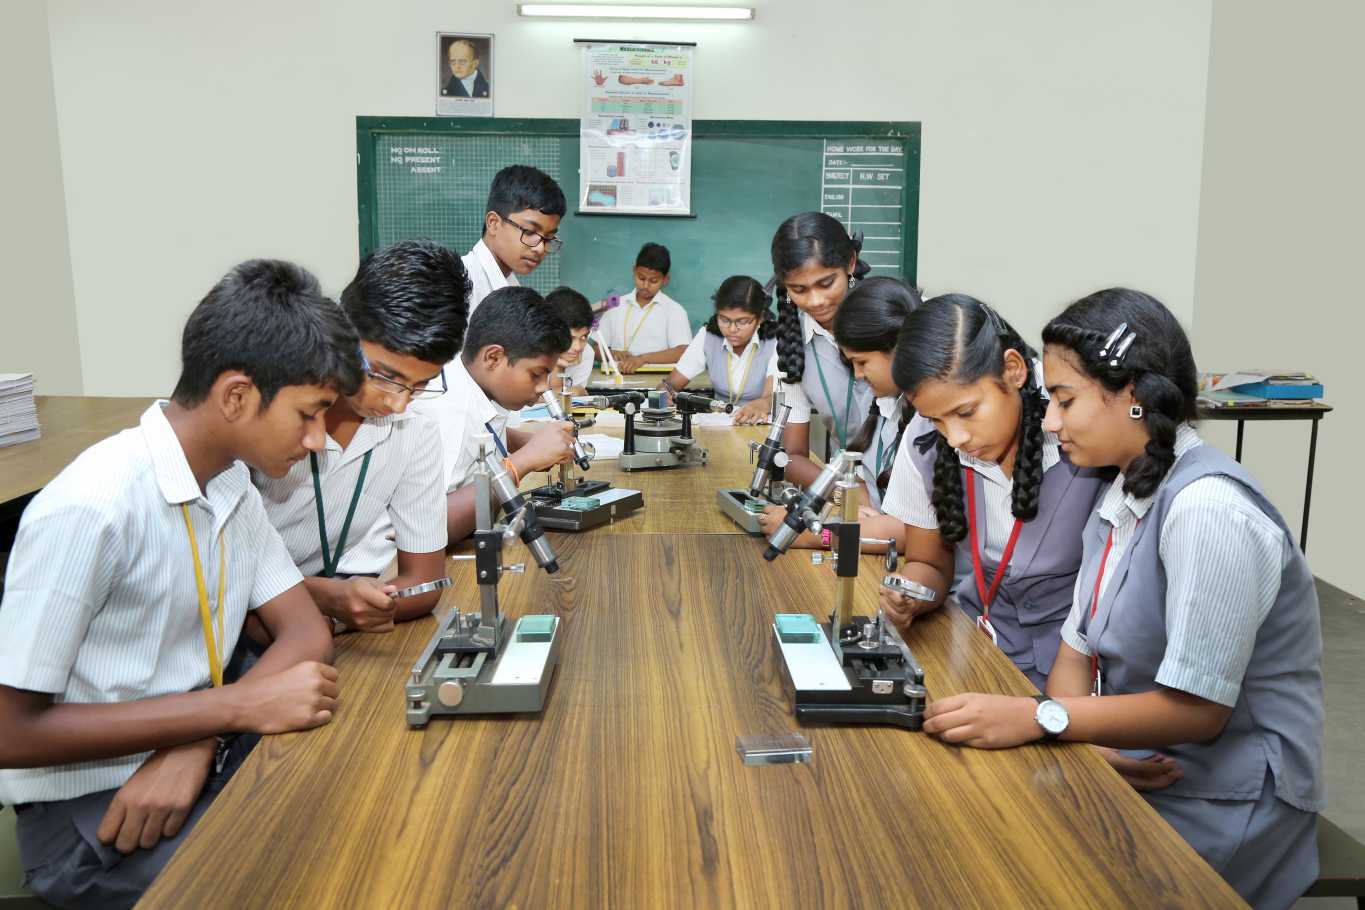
(422, 177)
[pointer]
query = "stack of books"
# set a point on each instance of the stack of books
(1259, 389)
(18, 414)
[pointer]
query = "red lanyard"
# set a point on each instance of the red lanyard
(1095, 605)
(987, 595)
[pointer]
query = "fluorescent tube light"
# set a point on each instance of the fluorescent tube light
(634, 11)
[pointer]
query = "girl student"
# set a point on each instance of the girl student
(1195, 620)
(815, 264)
(981, 485)
(734, 348)
(867, 327)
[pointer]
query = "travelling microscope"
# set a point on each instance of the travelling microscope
(472, 665)
(659, 433)
(744, 507)
(854, 669)
(571, 504)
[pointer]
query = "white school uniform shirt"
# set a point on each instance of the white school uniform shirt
(101, 604)
(657, 326)
(693, 361)
(907, 499)
(794, 395)
(1223, 559)
(462, 413)
(485, 275)
(404, 492)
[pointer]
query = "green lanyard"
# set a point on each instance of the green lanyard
(840, 426)
(329, 564)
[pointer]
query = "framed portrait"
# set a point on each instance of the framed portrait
(464, 75)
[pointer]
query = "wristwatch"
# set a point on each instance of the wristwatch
(1051, 716)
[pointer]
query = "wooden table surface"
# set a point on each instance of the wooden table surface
(679, 500)
(626, 790)
(70, 425)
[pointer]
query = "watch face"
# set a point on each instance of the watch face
(1052, 717)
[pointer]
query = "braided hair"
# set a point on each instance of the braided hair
(870, 319)
(740, 292)
(956, 338)
(807, 238)
(1158, 366)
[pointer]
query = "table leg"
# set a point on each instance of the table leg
(1308, 487)
(1241, 425)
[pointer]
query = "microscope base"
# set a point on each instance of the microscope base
(616, 503)
(455, 676)
(732, 502)
(882, 685)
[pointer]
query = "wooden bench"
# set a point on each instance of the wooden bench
(1341, 865)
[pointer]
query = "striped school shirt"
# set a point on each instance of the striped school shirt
(101, 604)
(1223, 559)
(462, 414)
(404, 492)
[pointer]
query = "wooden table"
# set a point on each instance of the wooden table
(679, 500)
(626, 790)
(70, 425)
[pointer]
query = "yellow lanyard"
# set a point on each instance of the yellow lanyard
(210, 645)
(644, 314)
(737, 390)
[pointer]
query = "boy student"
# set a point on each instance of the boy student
(131, 578)
(576, 312)
(510, 351)
(648, 326)
(380, 466)
(519, 227)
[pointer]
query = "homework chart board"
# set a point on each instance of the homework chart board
(429, 177)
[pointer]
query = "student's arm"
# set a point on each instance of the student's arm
(632, 362)
(757, 411)
(796, 443)
(460, 518)
(416, 569)
(1070, 676)
(542, 449)
(677, 381)
(929, 561)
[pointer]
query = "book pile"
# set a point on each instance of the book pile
(18, 414)
(1259, 389)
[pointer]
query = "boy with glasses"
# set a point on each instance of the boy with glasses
(377, 484)
(519, 228)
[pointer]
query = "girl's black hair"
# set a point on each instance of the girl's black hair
(870, 319)
(958, 339)
(740, 292)
(1158, 364)
(802, 239)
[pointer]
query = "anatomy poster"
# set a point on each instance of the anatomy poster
(635, 145)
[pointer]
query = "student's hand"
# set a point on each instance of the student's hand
(300, 698)
(363, 603)
(983, 721)
(901, 610)
(548, 446)
(1154, 773)
(754, 412)
(771, 518)
(157, 799)
(629, 363)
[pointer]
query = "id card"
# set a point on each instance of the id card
(984, 626)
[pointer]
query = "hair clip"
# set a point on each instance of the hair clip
(925, 441)
(1119, 350)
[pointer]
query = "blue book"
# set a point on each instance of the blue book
(1279, 390)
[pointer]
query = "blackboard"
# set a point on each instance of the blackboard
(420, 177)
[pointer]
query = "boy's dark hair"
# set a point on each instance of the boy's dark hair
(270, 320)
(654, 256)
(519, 187)
(1158, 364)
(412, 298)
(571, 306)
(517, 320)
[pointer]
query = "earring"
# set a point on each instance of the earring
(1135, 412)
(852, 282)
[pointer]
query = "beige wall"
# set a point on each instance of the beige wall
(37, 310)
(1279, 237)
(1062, 140)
